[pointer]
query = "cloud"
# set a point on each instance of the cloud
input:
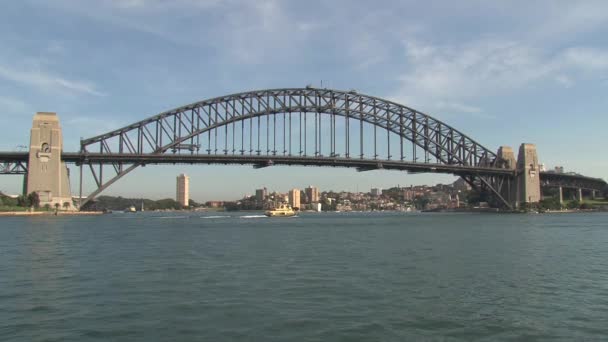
(160, 5)
(454, 77)
(589, 59)
(47, 82)
(12, 105)
(564, 81)
(562, 20)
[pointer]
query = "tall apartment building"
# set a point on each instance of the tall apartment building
(260, 195)
(183, 190)
(294, 198)
(312, 193)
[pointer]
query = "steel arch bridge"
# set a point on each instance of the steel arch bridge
(294, 126)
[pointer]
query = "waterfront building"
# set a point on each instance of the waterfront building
(294, 198)
(408, 195)
(312, 194)
(183, 190)
(376, 192)
(261, 195)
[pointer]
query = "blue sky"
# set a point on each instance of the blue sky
(502, 72)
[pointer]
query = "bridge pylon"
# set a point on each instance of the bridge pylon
(47, 174)
(508, 192)
(527, 179)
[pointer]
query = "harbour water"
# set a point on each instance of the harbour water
(315, 277)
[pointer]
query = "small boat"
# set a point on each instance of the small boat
(283, 210)
(130, 209)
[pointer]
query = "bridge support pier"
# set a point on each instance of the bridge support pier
(527, 180)
(47, 174)
(508, 192)
(561, 196)
(580, 195)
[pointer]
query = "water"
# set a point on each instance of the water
(317, 277)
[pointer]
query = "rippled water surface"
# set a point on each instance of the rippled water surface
(317, 277)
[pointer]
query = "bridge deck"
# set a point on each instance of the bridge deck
(7, 157)
(265, 160)
(547, 178)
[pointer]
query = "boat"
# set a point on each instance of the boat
(283, 210)
(130, 209)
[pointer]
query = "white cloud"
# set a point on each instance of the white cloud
(160, 5)
(560, 20)
(47, 82)
(585, 58)
(12, 105)
(564, 81)
(454, 77)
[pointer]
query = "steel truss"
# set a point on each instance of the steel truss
(13, 168)
(277, 122)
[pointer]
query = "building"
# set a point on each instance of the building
(294, 198)
(183, 190)
(408, 195)
(312, 194)
(376, 192)
(214, 204)
(261, 195)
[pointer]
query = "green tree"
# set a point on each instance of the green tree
(47, 207)
(551, 203)
(22, 201)
(33, 200)
(421, 202)
(57, 205)
(66, 205)
(574, 204)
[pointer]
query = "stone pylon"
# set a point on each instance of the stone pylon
(509, 191)
(47, 174)
(527, 181)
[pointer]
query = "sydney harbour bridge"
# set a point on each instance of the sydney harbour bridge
(293, 126)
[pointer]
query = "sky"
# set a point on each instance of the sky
(502, 72)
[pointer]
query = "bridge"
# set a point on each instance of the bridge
(292, 126)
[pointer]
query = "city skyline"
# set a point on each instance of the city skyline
(513, 82)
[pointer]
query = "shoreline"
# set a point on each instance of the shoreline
(49, 213)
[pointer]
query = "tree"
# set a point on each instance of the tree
(22, 201)
(57, 205)
(551, 203)
(574, 204)
(421, 202)
(33, 200)
(66, 205)
(47, 207)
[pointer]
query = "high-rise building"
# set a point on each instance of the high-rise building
(260, 195)
(408, 194)
(312, 193)
(294, 198)
(376, 192)
(183, 192)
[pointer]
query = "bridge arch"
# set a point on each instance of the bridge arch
(179, 131)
